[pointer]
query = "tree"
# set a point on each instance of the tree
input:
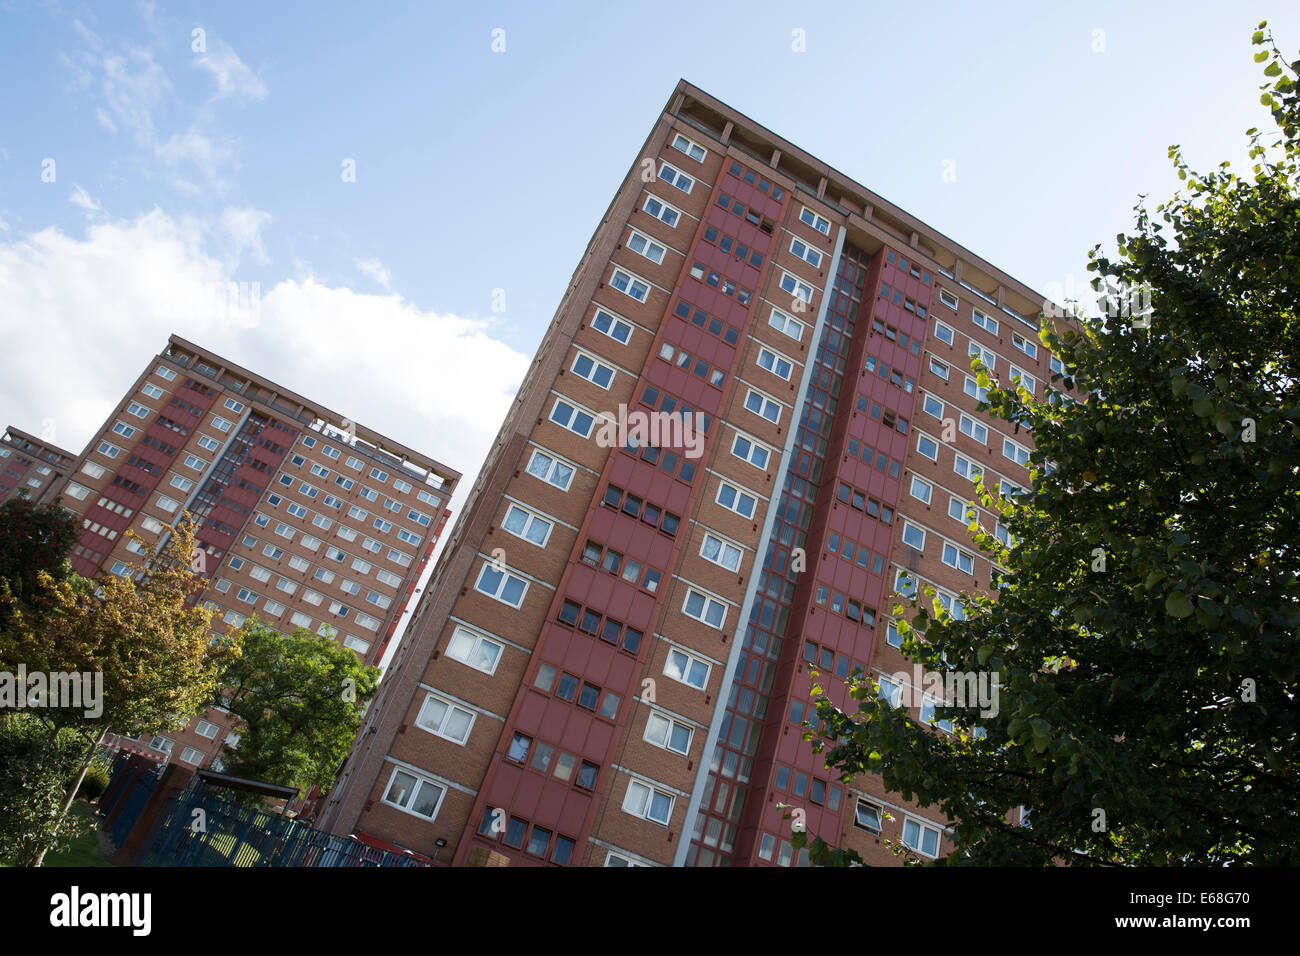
(1145, 631)
(36, 762)
(297, 698)
(33, 539)
(146, 641)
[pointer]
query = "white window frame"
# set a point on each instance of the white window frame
(690, 660)
(629, 284)
(648, 246)
(689, 147)
(639, 800)
(506, 576)
(722, 548)
(764, 403)
(707, 604)
(810, 218)
(929, 489)
(420, 783)
(575, 411)
(531, 518)
(476, 640)
(662, 737)
(774, 360)
(983, 321)
(664, 207)
(783, 326)
(676, 178)
(596, 366)
(739, 494)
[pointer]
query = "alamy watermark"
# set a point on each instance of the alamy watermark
(53, 690)
(657, 429)
(962, 689)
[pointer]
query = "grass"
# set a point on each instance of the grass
(81, 852)
(84, 850)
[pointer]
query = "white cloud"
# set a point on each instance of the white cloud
(376, 270)
(230, 73)
(132, 87)
(195, 148)
(82, 199)
(98, 307)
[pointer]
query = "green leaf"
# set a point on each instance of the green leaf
(1178, 605)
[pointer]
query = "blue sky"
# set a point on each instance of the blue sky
(176, 171)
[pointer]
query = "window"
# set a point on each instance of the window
(1017, 453)
(584, 366)
(966, 468)
(550, 470)
(921, 490)
(220, 424)
(704, 608)
(642, 244)
(733, 499)
(1028, 381)
(123, 429)
(927, 447)
(92, 469)
(938, 368)
(441, 717)
(720, 552)
(986, 357)
(761, 405)
(751, 451)
(630, 285)
(786, 325)
(181, 484)
(474, 650)
(974, 390)
(675, 177)
(501, 585)
(973, 429)
(206, 729)
(682, 667)
(209, 444)
(797, 288)
(570, 417)
(985, 322)
(806, 252)
(956, 558)
(168, 504)
(648, 803)
(957, 509)
(868, 816)
(1058, 367)
(921, 838)
(80, 492)
(108, 449)
(663, 731)
(692, 149)
(415, 795)
(662, 211)
(1029, 348)
(822, 225)
(138, 410)
(890, 691)
(948, 299)
(773, 363)
(378, 475)
(913, 536)
(932, 407)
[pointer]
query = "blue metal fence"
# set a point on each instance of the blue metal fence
(198, 828)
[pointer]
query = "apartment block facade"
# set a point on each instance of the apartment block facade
(303, 518)
(31, 467)
(611, 664)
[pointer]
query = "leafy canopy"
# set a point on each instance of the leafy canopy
(1145, 633)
